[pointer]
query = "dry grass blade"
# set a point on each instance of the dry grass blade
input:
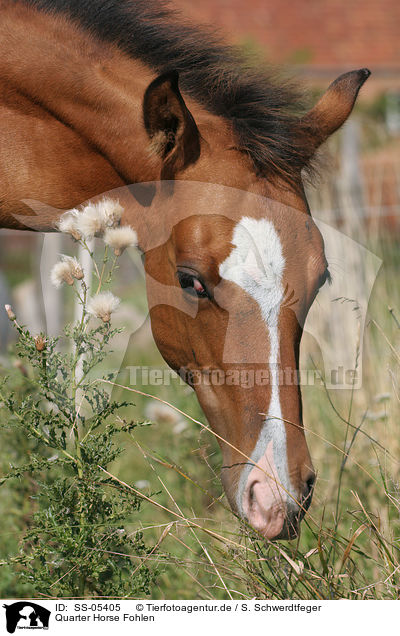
(163, 536)
(349, 547)
(206, 552)
(221, 538)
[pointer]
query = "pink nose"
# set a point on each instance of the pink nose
(278, 520)
(265, 517)
(269, 505)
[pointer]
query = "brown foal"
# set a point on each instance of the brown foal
(232, 257)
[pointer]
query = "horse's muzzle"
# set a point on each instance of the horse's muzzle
(281, 517)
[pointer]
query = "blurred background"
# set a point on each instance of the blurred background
(318, 39)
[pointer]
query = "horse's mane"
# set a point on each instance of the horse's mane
(263, 111)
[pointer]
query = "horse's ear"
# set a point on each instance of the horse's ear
(334, 107)
(170, 125)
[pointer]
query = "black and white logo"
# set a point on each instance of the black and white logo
(26, 615)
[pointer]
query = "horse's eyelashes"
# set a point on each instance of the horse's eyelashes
(325, 278)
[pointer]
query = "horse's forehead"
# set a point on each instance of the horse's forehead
(202, 219)
(203, 231)
(217, 233)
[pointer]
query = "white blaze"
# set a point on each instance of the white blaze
(256, 264)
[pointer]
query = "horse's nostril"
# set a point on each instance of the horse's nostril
(251, 494)
(309, 485)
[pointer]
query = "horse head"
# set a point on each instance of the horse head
(233, 264)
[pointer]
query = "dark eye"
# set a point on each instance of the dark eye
(192, 285)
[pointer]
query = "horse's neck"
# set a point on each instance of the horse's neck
(96, 92)
(91, 88)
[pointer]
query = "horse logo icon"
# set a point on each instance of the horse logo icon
(26, 615)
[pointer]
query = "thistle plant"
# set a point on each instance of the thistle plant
(76, 543)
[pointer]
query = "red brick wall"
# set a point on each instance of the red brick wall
(320, 34)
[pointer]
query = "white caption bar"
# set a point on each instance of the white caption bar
(149, 617)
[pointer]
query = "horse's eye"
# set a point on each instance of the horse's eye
(192, 285)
